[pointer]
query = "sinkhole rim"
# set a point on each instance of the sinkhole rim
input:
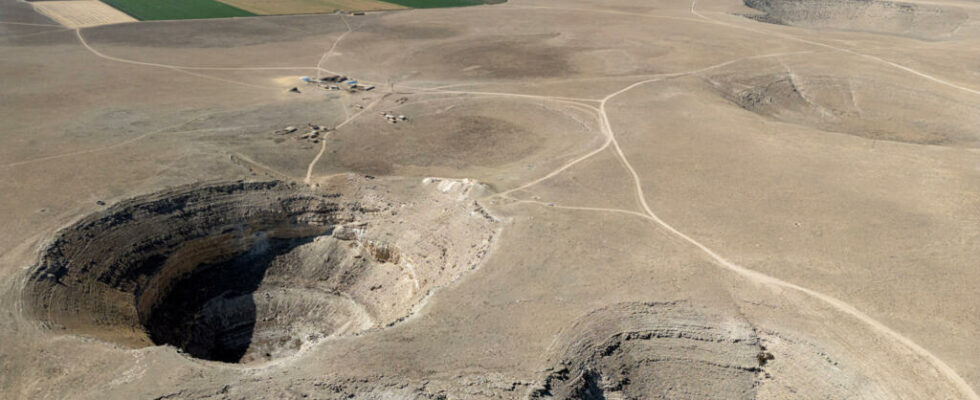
(107, 275)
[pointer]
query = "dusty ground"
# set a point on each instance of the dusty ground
(275, 7)
(630, 200)
(82, 14)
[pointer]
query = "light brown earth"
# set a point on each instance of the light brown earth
(587, 199)
(278, 7)
(82, 14)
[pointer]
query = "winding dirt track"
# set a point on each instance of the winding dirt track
(752, 275)
(323, 143)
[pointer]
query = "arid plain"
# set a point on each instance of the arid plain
(537, 199)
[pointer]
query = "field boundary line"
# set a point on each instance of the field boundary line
(30, 24)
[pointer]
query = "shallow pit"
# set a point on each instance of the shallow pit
(920, 21)
(867, 107)
(684, 350)
(664, 350)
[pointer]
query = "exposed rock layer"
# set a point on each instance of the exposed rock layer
(654, 351)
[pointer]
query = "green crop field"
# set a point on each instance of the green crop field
(148, 10)
(441, 3)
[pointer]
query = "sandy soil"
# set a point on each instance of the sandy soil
(277, 7)
(688, 200)
(82, 14)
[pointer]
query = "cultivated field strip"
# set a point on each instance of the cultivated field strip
(82, 14)
(283, 7)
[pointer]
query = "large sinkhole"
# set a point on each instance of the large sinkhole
(211, 313)
(244, 272)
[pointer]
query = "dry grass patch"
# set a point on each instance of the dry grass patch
(80, 14)
(279, 7)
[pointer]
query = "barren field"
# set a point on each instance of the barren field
(442, 3)
(81, 14)
(579, 199)
(276, 7)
